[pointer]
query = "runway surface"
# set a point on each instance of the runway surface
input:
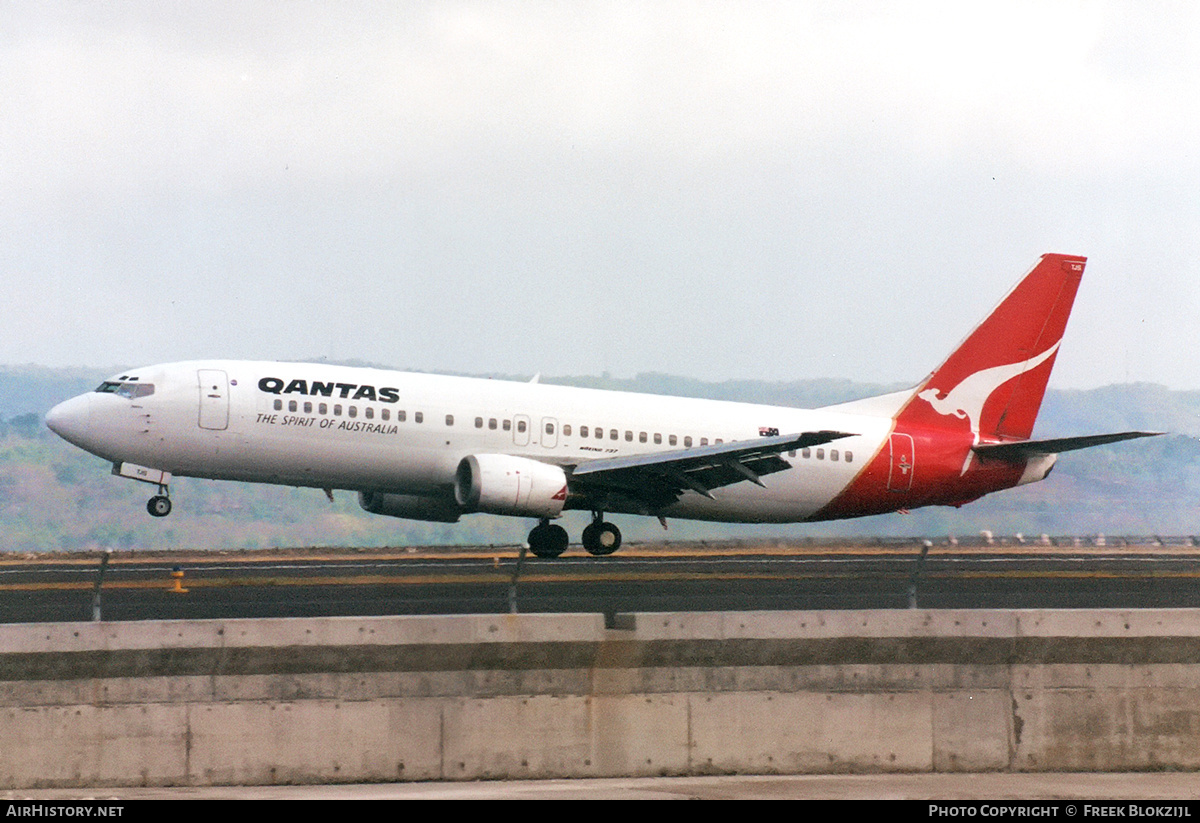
(1141, 787)
(647, 577)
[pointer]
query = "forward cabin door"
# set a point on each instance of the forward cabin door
(214, 399)
(901, 474)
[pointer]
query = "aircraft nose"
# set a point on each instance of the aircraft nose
(71, 419)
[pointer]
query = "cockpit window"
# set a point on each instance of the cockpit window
(130, 390)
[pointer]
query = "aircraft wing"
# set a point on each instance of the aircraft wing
(656, 480)
(1026, 448)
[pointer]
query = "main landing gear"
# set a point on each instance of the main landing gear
(159, 505)
(599, 539)
(548, 539)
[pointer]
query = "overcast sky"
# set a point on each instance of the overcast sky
(718, 190)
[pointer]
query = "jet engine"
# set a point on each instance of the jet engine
(410, 506)
(503, 484)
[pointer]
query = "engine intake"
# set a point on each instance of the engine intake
(503, 484)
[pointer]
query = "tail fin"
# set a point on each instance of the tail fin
(996, 378)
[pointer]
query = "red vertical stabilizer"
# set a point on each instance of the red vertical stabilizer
(988, 390)
(996, 378)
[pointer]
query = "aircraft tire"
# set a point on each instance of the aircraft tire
(159, 505)
(548, 540)
(600, 539)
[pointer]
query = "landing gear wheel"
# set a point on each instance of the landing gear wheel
(159, 505)
(601, 538)
(548, 540)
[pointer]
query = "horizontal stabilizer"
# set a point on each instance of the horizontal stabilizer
(1028, 448)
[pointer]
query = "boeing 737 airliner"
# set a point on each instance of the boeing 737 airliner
(429, 447)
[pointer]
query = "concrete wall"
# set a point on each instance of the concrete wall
(512, 696)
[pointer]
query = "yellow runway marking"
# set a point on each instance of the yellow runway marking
(492, 578)
(198, 560)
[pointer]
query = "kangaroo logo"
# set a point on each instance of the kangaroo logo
(966, 400)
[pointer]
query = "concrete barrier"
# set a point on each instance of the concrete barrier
(534, 696)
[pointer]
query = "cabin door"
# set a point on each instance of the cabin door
(521, 430)
(549, 432)
(901, 474)
(214, 399)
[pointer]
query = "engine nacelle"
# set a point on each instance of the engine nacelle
(503, 484)
(410, 506)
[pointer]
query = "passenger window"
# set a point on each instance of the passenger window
(583, 431)
(628, 436)
(337, 409)
(614, 434)
(278, 404)
(792, 453)
(703, 441)
(521, 426)
(370, 412)
(549, 428)
(492, 423)
(807, 453)
(449, 420)
(507, 425)
(849, 457)
(308, 408)
(657, 437)
(687, 442)
(352, 411)
(401, 415)
(479, 422)
(718, 440)
(672, 440)
(833, 454)
(386, 414)
(322, 408)
(418, 417)
(641, 437)
(820, 454)
(567, 430)
(291, 405)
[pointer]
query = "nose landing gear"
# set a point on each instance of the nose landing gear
(159, 505)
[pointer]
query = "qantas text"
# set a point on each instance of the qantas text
(346, 391)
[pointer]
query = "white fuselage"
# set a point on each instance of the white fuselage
(339, 427)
